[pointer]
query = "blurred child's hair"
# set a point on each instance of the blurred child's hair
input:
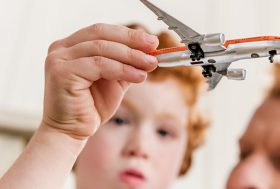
(192, 83)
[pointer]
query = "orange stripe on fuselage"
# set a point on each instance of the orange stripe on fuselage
(168, 50)
(226, 44)
(252, 39)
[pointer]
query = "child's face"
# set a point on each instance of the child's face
(143, 145)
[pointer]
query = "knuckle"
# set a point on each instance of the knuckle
(99, 46)
(135, 57)
(132, 34)
(97, 28)
(130, 53)
(124, 69)
(50, 59)
(56, 44)
(52, 66)
(98, 61)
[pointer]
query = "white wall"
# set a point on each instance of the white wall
(29, 26)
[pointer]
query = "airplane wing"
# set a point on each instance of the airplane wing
(216, 77)
(187, 34)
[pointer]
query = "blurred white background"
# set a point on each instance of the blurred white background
(29, 26)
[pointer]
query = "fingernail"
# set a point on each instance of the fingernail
(142, 74)
(150, 38)
(151, 59)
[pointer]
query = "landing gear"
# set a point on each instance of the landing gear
(271, 55)
(197, 52)
(208, 70)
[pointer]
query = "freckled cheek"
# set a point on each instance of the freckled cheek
(96, 164)
(168, 160)
(100, 155)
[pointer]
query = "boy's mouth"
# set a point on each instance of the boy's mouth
(132, 177)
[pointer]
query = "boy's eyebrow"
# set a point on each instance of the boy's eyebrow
(169, 115)
(173, 117)
(129, 104)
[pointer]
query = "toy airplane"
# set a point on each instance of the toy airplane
(211, 51)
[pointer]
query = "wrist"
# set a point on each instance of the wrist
(59, 139)
(74, 129)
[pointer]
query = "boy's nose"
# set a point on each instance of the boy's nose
(136, 152)
(137, 145)
(252, 173)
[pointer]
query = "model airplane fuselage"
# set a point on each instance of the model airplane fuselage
(211, 51)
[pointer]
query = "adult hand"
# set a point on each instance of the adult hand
(87, 74)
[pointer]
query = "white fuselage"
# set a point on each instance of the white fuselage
(232, 53)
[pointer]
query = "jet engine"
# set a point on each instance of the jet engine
(236, 74)
(214, 39)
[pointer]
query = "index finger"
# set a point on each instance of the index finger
(133, 38)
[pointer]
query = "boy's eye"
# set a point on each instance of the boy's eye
(163, 133)
(119, 121)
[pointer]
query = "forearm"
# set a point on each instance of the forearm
(45, 163)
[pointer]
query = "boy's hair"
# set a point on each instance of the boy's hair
(192, 82)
